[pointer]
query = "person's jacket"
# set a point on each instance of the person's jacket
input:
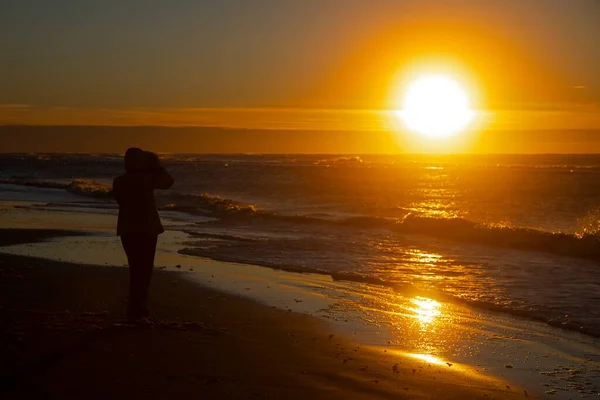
(137, 208)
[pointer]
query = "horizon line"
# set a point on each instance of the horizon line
(274, 129)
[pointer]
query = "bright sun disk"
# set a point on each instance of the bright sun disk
(436, 106)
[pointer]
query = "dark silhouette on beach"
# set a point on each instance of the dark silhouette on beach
(139, 223)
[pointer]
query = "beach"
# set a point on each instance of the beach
(335, 199)
(247, 302)
(63, 338)
(248, 335)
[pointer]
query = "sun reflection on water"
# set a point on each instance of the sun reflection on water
(425, 310)
(427, 358)
(435, 209)
(419, 256)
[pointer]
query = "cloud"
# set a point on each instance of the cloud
(15, 106)
(523, 117)
(249, 118)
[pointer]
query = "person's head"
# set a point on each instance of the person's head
(136, 160)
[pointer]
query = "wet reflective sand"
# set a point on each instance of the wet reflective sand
(441, 337)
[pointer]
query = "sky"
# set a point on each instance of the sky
(295, 64)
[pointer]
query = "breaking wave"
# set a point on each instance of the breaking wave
(207, 205)
(79, 186)
(86, 187)
(459, 229)
(585, 244)
(342, 161)
(244, 252)
(34, 183)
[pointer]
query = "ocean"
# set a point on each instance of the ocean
(517, 234)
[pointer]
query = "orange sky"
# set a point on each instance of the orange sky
(565, 117)
(296, 65)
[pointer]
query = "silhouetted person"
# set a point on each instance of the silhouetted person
(139, 224)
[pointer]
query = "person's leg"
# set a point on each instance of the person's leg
(134, 248)
(148, 251)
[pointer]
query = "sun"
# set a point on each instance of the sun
(436, 106)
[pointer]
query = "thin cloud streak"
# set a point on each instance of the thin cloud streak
(15, 106)
(529, 117)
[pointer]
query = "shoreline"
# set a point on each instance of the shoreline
(64, 343)
(479, 345)
(407, 287)
(546, 310)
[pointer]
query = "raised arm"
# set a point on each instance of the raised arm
(152, 176)
(159, 177)
(162, 179)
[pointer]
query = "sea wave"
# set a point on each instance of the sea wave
(341, 161)
(460, 229)
(34, 183)
(585, 244)
(582, 245)
(78, 186)
(207, 205)
(222, 236)
(86, 187)
(540, 313)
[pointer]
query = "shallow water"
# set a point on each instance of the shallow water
(511, 233)
(437, 334)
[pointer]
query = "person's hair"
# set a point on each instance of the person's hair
(136, 160)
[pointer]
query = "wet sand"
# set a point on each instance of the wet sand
(62, 337)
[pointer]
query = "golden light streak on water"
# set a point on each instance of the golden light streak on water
(426, 310)
(427, 358)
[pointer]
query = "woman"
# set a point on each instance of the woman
(139, 224)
